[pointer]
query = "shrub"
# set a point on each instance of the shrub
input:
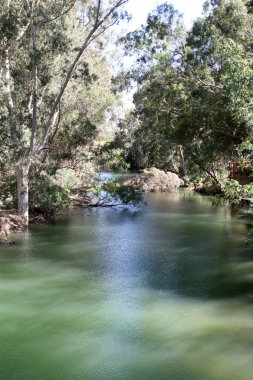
(46, 196)
(66, 178)
(236, 194)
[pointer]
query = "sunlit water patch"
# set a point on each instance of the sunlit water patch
(161, 293)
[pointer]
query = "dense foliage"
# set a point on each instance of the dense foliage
(194, 97)
(55, 85)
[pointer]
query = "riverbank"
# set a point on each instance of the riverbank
(103, 190)
(10, 222)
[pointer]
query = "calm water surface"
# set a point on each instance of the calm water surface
(165, 292)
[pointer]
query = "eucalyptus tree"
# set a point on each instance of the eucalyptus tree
(157, 47)
(218, 68)
(39, 61)
(194, 97)
(84, 109)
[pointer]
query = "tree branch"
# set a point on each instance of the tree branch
(209, 85)
(209, 173)
(65, 11)
(90, 37)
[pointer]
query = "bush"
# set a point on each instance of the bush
(66, 178)
(46, 196)
(8, 194)
(236, 194)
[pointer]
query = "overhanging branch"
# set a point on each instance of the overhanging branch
(90, 37)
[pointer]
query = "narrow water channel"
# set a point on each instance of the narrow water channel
(161, 293)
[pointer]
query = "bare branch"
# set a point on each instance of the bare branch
(103, 30)
(65, 11)
(98, 11)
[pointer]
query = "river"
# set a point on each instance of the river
(160, 293)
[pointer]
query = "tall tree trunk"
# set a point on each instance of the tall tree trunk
(183, 168)
(23, 189)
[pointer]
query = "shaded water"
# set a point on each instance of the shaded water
(161, 293)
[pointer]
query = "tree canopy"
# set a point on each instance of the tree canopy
(194, 96)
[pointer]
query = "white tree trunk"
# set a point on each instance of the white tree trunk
(23, 189)
(183, 167)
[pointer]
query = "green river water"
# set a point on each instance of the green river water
(164, 292)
